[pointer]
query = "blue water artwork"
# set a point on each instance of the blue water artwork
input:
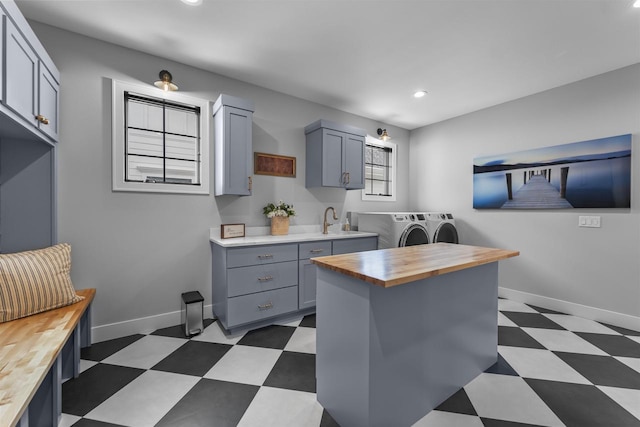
(586, 174)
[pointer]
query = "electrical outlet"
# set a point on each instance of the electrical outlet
(589, 221)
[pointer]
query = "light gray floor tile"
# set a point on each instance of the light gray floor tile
(290, 322)
(145, 400)
(509, 305)
(303, 340)
(67, 420)
(86, 364)
(213, 333)
(632, 362)
(540, 364)
(145, 352)
(277, 407)
(557, 340)
(636, 339)
(507, 397)
(579, 324)
(245, 364)
(628, 398)
(448, 419)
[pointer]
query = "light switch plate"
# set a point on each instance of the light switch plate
(589, 221)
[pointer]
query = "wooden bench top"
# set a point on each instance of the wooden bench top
(28, 348)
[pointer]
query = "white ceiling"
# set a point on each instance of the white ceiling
(368, 57)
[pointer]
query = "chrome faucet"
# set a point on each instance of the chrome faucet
(326, 224)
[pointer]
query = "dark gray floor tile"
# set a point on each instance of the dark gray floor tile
(490, 422)
(274, 336)
(531, 320)
(615, 345)
(501, 367)
(309, 321)
(516, 337)
(101, 350)
(94, 386)
(459, 403)
(93, 423)
(581, 405)
(327, 420)
(193, 358)
(623, 331)
(544, 310)
(294, 371)
(178, 330)
(602, 370)
(211, 403)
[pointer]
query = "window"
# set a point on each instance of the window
(160, 141)
(379, 170)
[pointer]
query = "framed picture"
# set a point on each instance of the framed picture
(273, 164)
(228, 231)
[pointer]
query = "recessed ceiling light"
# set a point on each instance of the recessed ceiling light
(636, 4)
(421, 93)
(192, 2)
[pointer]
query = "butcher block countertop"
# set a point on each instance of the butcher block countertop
(28, 348)
(397, 266)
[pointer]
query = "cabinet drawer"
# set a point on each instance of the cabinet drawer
(259, 278)
(313, 249)
(253, 307)
(256, 255)
(346, 246)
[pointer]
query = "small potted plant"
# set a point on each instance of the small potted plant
(279, 214)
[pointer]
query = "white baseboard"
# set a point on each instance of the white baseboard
(598, 314)
(143, 325)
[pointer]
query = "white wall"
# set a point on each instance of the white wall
(591, 272)
(141, 251)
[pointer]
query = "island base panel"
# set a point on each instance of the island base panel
(388, 356)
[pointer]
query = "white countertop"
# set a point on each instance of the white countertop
(297, 233)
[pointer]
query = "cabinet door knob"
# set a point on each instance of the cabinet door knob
(42, 119)
(250, 183)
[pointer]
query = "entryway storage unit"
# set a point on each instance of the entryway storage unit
(335, 155)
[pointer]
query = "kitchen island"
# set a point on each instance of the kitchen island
(400, 330)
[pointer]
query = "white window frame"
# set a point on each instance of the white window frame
(118, 140)
(393, 161)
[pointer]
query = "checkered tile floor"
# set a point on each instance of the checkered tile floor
(553, 370)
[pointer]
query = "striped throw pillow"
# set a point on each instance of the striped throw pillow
(35, 281)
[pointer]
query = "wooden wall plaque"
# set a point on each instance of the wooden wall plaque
(274, 164)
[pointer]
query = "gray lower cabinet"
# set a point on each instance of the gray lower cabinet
(252, 284)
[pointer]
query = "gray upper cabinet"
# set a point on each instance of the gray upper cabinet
(233, 118)
(30, 80)
(335, 155)
(21, 74)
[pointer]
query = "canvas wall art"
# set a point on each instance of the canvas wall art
(586, 174)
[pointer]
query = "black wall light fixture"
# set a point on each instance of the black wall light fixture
(382, 133)
(165, 83)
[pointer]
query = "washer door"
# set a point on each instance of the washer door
(414, 234)
(446, 233)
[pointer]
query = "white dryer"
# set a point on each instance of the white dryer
(395, 229)
(442, 227)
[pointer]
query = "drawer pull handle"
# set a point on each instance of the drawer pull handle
(316, 251)
(266, 306)
(42, 119)
(266, 256)
(265, 278)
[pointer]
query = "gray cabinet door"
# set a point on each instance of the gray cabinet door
(238, 161)
(2, 26)
(48, 101)
(346, 246)
(353, 161)
(306, 284)
(332, 158)
(21, 74)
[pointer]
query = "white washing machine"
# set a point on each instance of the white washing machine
(441, 227)
(395, 229)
